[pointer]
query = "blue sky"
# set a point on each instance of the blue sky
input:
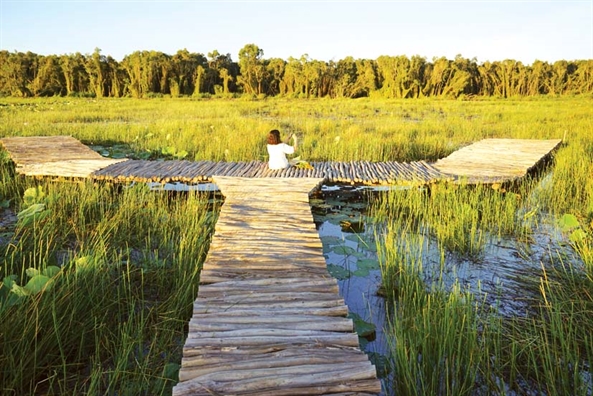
(324, 30)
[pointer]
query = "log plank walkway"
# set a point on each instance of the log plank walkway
(57, 156)
(486, 161)
(496, 160)
(268, 319)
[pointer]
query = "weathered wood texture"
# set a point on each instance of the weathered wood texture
(496, 160)
(486, 161)
(268, 319)
(361, 172)
(54, 156)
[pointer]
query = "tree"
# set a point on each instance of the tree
(252, 69)
(49, 79)
(275, 72)
(95, 68)
(17, 71)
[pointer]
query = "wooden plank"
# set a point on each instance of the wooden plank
(54, 156)
(485, 161)
(266, 297)
(496, 159)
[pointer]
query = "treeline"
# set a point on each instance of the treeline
(152, 73)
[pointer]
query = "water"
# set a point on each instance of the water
(497, 277)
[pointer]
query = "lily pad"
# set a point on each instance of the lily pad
(381, 363)
(51, 271)
(369, 264)
(33, 195)
(338, 272)
(568, 222)
(331, 240)
(35, 212)
(362, 327)
(345, 251)
(9, 280)
(577, 236)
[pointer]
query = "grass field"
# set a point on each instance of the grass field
(98, 280)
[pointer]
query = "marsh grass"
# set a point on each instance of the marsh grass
(446, 341)
(433, 334)
(235, 129)
(461, 218)
(114, 319)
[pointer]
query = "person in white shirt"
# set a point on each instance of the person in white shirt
(278, 150)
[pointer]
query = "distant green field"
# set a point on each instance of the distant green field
(330, 129)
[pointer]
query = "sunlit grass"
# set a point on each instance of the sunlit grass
(114, 317)
(235, 129)
(113, 320)
(447, 342)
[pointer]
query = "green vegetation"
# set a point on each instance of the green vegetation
(98, 281)
(340, 129)
(448, 342)
(96, 293)
(152, 73)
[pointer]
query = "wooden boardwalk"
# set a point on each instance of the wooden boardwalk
(268, 319)
(496, 160)
(54, 156)
(486, 161)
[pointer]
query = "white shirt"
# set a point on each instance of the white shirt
(277, 154)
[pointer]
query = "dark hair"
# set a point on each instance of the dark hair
(274, 137)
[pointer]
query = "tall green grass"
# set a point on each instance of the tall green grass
(113, 319)
(235, 129)
(445, 341)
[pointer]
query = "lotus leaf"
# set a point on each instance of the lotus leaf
(37, 283)
(338, 272)
(51, 271)
(362, 327)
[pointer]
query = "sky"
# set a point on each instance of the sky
(323, 30)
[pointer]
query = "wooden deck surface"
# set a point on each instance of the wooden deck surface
(268, 319)
(54, 156)
(496, 160)
(486, 161)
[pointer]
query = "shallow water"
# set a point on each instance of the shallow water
(496, 277)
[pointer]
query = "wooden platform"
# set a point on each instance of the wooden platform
(354, 172)
(496, 160)
(486, 161)
(268, 319)
(54, 156)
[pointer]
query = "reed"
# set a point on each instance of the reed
(113, 318)
(340, 130)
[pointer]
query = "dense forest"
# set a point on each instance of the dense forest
(152, 73)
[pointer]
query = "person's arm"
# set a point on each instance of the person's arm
(296, 143)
